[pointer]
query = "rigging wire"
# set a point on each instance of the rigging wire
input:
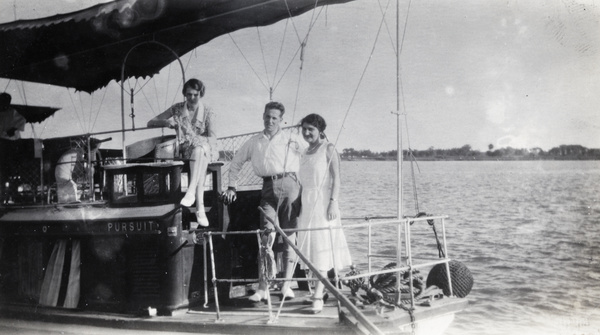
(89, 119)
(248, 62)
(280, 50)
(387, 27)
(75, 110)
(272, 86)
(98, 112)
(301, 45)
(361, 78)
(83, 125)
(413, 162)
(262, 51)
(24, 92)
(405, 28)
(312, 19)
(167, 90)
(148, 101)
(287, 67)
(302, 48)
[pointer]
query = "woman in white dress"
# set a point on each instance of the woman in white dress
(320, 179)
(195, 127)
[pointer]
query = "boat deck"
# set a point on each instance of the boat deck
(238, 316)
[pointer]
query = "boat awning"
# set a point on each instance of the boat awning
(35, 113)
(85, 49)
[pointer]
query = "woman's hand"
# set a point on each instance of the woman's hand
(170, 123)
(333, 210)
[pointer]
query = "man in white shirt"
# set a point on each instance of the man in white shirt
(275, 156)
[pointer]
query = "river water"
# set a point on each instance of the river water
(528, 231)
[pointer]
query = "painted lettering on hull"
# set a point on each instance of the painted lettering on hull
(131, 227)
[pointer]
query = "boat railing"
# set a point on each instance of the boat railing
(404, 264)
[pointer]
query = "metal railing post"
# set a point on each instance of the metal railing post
(446, 257)
(205, 268)
(214, 276)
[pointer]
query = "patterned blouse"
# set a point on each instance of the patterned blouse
(194, 130)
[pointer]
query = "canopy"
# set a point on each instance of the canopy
(35, 113)
(85, 50)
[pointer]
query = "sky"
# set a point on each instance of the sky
(523, 74)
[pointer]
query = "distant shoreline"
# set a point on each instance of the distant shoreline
(474, 159)
(465, 153)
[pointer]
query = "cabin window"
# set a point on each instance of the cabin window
(125, 188)
(156, 185)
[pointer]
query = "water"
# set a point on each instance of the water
(528, 231)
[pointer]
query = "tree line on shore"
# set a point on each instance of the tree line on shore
(562, 152)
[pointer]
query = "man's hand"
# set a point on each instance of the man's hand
(229, 196)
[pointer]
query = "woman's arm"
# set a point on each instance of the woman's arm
(211, 123)
(162, 120)
(333, 160)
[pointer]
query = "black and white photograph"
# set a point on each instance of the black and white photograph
(409, 167)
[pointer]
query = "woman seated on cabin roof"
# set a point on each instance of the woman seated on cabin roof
(195, 126)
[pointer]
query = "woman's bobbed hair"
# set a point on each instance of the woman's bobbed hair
(196, 85)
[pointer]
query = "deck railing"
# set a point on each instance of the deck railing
(404, 244)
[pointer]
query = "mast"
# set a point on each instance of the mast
(398, 120)
(399, 156)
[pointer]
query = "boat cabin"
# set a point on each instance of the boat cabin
(115, 237)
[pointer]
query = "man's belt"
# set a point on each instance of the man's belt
(280, 175)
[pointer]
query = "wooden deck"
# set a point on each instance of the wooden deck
(240, 316)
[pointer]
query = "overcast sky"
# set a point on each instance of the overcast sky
(509, 73)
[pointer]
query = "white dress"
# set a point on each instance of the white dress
(316, 191)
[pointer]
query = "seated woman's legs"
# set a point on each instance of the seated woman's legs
(195, 192)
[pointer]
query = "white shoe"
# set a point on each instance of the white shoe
(258, 296)
(188, 200)
(317, 306)
(202, 219)
(288, 294)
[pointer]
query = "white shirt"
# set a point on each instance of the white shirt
(268, 157)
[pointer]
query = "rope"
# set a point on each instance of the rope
(382, 288)
(440, 248)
